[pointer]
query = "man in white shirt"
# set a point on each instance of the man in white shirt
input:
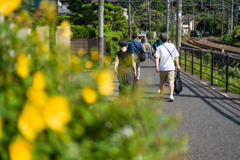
(167, 53)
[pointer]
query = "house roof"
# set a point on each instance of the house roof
(185, 18)
(62, 11)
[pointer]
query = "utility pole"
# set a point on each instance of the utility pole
(228, 13)
(214, 28)
(129, 20)
(222, 18)
(237, 12)
(100, 29)
(204, 20)
(157, 18)
(172, 19)
(232, 18)
(146, 14)
(167, 24)
(193, 19)
(179, 23)
(150, 35)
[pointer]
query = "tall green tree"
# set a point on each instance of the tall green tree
(86, 13)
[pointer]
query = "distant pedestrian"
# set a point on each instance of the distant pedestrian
(169, 40)
(147, 48)
(125, 68)
(155, 45)
(132, 48)
(166, 53)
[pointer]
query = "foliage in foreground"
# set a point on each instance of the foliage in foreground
(54, 105)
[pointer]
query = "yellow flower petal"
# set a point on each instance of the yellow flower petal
(22, 65)
(89, 95)
(37, 97)
(30, 122)
(81, 52)
(56, 113)
(20, 149)
(65, 28)
(39, 81)
(8, 6)
(89, 64)
(105, 83)
(94, 56)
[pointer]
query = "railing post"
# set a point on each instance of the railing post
(212, 68)
(201, 65)
(185, 59)
(227, 72)
(192, 60)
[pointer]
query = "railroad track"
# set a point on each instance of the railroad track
(193, 42)
(229, 44)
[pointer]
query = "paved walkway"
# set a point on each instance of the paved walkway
(209, 118)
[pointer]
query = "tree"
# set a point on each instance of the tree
(87, 14)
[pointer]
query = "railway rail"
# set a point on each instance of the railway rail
(229, 44)
(193, 42)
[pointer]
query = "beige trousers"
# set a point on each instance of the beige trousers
(138, 69)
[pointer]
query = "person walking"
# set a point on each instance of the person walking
(131, 47)
(166, 53)
(125, 68)
(148, 50)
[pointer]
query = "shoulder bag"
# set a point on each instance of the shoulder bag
(140, 55)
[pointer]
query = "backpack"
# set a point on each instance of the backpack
(156, 44)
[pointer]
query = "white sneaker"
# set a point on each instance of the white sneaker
(159, 93)
(171, 98)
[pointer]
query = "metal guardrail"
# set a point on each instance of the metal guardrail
(214, 56)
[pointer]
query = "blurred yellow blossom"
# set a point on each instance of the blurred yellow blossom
(22, 65)
(42, 48)
(94, 56)
(81, 52)
(89, 64)
(89, 95)
(38, 81)
(20, 149)
(105, 82)
(8, 6)
(57, 113)
(1, 127)
(51, 11)
(37, 97)
(65, 28)
(75, 63)
(30, 122)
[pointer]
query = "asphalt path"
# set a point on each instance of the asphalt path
(209, 118)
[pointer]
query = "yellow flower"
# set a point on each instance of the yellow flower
(89, 95)
(20, 149)
(8, 6)
(37, 97)
(105, 83)
(22, 65)
(30, 122)
(81, 52)
(94, 56)
(75, 63)
(56, 113)
(89, 64)
(38, 81)
(65, 28)
(1, 127)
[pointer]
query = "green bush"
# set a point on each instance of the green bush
(86, 31)
(112, 47)
(228, 38)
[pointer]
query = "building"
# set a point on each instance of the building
(187, 24)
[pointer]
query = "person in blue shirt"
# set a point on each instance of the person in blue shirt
(155, 45)
(133, 49)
